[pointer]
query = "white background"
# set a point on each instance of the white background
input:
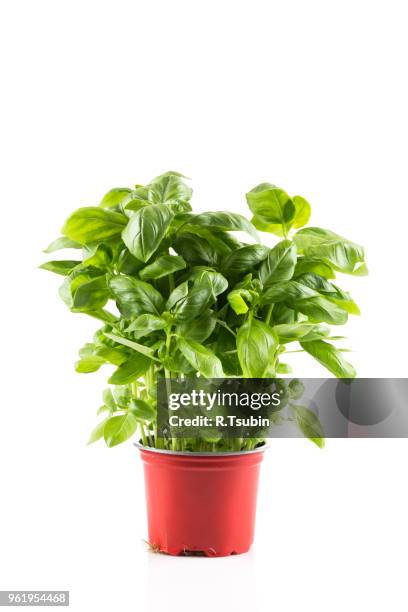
(309, 95)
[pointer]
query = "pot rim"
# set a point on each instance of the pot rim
(215, 454)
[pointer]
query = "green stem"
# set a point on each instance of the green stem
(269, 314)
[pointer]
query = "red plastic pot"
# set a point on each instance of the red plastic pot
(201, 502)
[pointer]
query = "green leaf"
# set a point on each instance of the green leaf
(288, 292)
(115, 356)
(195, 250)
(312, 264)
(114, 197)
(89, 364)
(179, 293)
(62, 243)
(142, 410)
(236, 299)
(119, 428)
(162, 266)
(283, 368)
(332, 292)
(194, 303)
(134, 297)
(98, 255)
(225, 221)
(270, 228)
(296, 389)
(301, 217)
(91, 295)
(201, 358)
(63, 267)
(271, 204)
(136, 365)
(292, 331)
(321, 310)
(244, 259)
(140, 348)
(146, 230)
(93, 224)
(97, 433)
(339, 253)
(319, 332)
(109, 400)
(330, 357)
(309, 424)
(127, 264)
(302, 212)
(169, 187)
(280, 263)
(256, 344)
(146, 324)
(208, 276)
(198, 329)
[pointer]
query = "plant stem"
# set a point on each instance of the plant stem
(269, 313)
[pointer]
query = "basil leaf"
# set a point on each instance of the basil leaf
(63, 267)
(225, 221)
(256, 345)
(179, 293)
(302, 212)
(198, 329)
(89, 364)
(146, 324)
(280, 263)
(119, 428)
(271, 204)
(99, 255)
(169, 187)
(127, 264)
(330, 357)
(287, 291)
(97, 433)
(244, 259)
(91, 295)
(109, 400)
(146, 230)
(194, 303)
(339, 253)
(93, 224)
(142, 410)
(134, 297)
(309, 424)
(201, 358)
(293, 331)
(318, 332)
(62, 243)
(195, 250)
(164, 265)
(114, 197)
(215, 280)
(236, 299)
(111, 355)
(312, 264)
(321, 310)
(140, 348)
(136, 365)
(270, 228)
(333, 293)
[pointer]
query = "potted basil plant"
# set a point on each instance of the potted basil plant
(193, 298)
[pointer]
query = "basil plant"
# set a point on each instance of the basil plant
(194, 298)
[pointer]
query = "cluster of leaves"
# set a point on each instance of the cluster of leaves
(195, 298)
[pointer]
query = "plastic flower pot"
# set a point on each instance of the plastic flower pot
(201, 502)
